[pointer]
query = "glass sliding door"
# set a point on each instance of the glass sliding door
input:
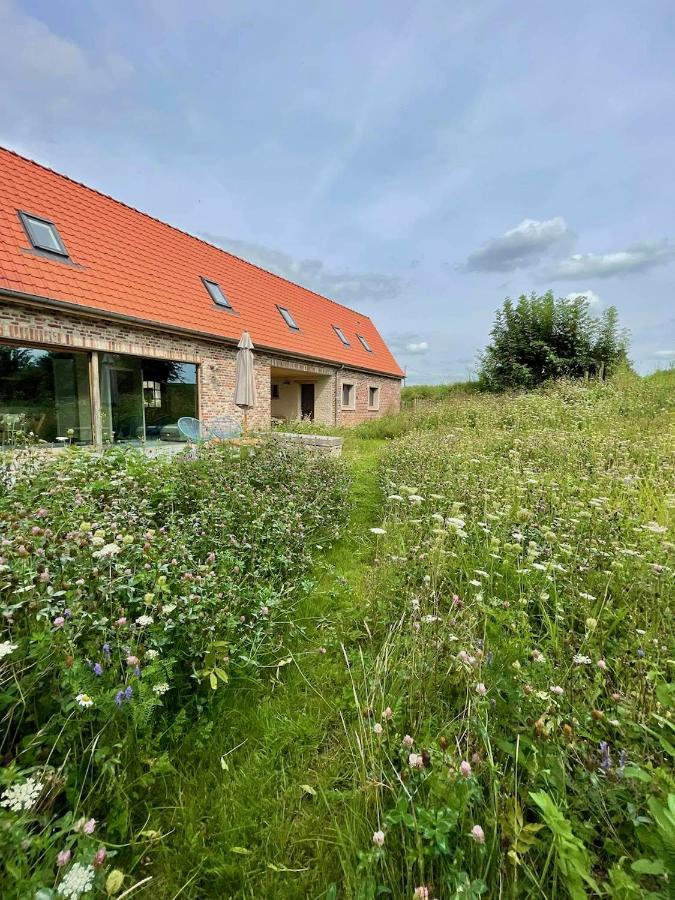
(169, 392)
(142, 399)
(122, 411)
(44, 396)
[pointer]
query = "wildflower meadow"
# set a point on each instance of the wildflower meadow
(440, 667)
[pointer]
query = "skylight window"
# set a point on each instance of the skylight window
(288, 318)
(366, 346)
(43, 234)
(216, 293)
(340, 333)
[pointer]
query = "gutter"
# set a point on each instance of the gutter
(36, 300)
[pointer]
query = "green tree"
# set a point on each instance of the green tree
(541, 337)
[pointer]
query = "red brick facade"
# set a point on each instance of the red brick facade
(33, 324)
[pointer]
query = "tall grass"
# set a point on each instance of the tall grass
(512, 733)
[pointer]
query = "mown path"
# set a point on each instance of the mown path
(257, 795)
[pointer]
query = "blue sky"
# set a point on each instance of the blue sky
(418, 161)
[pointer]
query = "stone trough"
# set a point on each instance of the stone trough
(317, 443)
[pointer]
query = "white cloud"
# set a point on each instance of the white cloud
(521, 246)
(638, 258)
(591, 296)
(665, 354)
(345, 287)
(417, 347)
(53, 80)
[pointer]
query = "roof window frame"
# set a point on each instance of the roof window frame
(26, 218)
(342, 336)
(226, 306)
(364, 343)
(287, 316)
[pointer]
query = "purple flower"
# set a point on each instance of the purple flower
(606, 761)
(128, 692)
(98, 669)
(106, 650)
(67, 613)
(119, 697)
(623, 759)
(641, 653)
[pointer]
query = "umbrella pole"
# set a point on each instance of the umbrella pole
(245, 420)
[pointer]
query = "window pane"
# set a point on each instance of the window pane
(44, 235)
(288, 318)
(143, 399)
(364, 342)
(46, 393)
(340, 333)
(346, 394)
(217, 294)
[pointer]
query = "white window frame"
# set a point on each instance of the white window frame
(352, 395)
(376, 405)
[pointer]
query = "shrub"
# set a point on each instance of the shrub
(131, 590)
(540, 338)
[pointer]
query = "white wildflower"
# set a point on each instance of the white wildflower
(84, 700)
(144, 620)
(581, 660)
(160, 688)
(455, 522)
(378, 531)
(151, 654)
(19, 797)
(107, 551)
(78, 880)
(655, 528)
(6, 648)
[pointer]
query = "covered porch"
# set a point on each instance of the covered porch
(301, 395)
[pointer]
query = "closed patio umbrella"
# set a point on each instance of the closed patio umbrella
(244, 381)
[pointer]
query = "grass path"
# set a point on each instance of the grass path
(253, 811)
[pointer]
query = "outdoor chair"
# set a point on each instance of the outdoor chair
(194, 430)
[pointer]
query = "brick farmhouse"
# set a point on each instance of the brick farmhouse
(113, 325)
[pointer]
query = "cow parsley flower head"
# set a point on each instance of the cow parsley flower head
(161, 688)
(20, 797)
(6, 648)
(78, 880)
(143, 621)
(580, 660)
(151, 654)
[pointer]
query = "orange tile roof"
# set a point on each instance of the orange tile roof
(127, 263)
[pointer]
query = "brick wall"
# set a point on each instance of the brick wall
(389, 397)
(28, 324)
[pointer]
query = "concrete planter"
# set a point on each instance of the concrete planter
(317, 443)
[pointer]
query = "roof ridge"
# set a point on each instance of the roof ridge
(194, 237)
